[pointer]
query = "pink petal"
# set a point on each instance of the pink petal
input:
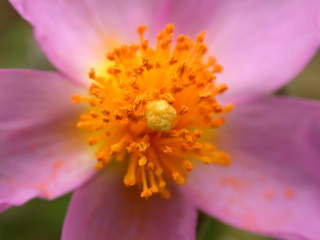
(261, 44)
(106, 209)
(273, 185)
(41, 152)
(77, 34)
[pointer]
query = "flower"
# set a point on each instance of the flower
(270, 186)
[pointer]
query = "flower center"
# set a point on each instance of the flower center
(153, 110)
(160, 115)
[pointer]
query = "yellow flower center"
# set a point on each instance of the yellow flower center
(153, 110)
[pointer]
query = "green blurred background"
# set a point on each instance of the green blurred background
(42, 220)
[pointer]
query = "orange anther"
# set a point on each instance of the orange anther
(152, 108)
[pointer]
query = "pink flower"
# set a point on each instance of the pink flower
(271, 187)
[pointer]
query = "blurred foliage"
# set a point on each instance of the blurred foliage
(211, 229)
(36, 220)
(306, 84)
(42, 220)
(17, 47)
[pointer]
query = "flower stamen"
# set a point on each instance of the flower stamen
(152, 109)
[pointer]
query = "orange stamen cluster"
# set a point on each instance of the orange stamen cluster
(142, 81)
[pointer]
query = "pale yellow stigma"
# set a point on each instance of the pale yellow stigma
(160, 115)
